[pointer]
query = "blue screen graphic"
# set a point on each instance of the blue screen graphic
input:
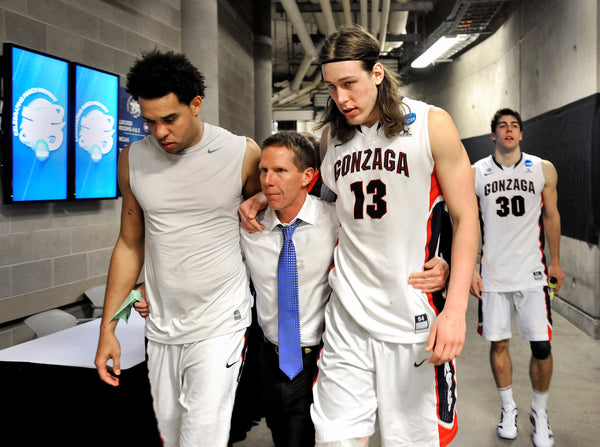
(96, 106)
(40, 130)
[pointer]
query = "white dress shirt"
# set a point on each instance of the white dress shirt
(314, 240)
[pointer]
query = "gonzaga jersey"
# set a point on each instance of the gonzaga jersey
(196, 281)
(510, 202)
(389, 206)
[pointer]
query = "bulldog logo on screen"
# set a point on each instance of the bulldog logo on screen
(96, 133)
(42, 127)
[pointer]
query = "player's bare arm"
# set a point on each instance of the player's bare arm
(476, 282)
(454, 172)
(250, 172)
(551, 219)
(125, 266)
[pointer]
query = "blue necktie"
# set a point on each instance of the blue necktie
(290, 352)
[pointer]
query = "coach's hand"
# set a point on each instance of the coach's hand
(432, 278)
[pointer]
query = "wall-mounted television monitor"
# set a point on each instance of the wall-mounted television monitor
(35, 124)
(95, 108)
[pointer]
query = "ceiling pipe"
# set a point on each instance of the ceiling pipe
(364, 14)
(303, 92)
(328, 13)
(295, 17)
(301, 73)
(347, 13)
(293, 13)
(396, 26)
(375, 17)
(320, 19)
(383, 23)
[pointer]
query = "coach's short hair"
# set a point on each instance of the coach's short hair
(305, 154)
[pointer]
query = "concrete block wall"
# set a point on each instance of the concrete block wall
(51, 252)
(546, 56)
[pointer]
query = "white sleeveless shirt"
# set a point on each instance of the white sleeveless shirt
(389, 202)
(196, 282)
(510, 200)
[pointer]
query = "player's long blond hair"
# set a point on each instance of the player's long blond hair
(354, 43)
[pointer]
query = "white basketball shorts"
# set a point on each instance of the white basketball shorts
(360, 377)
(193, 388)
(531, 308)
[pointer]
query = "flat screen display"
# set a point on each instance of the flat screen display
(35, 122)
(96, 108)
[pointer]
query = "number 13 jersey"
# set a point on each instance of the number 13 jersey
(510, 202)
(389, 206)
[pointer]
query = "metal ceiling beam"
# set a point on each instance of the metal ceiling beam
(423, 6)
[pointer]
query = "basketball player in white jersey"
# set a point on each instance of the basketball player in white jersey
(388, 347)
(518, 202)
(181, 189)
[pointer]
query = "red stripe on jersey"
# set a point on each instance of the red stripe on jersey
(313, 181)
(434, 193)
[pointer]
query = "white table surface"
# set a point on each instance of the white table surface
(76, 346)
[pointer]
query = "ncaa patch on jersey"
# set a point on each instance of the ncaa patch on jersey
(410, 118)
(538, 275)
(421, 323)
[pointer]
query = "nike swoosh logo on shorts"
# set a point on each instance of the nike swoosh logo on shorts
(229, 365)
(416, 365)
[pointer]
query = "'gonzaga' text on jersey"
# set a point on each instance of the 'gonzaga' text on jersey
(389, 206)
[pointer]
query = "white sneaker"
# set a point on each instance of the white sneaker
(542, 434)
(507, 427)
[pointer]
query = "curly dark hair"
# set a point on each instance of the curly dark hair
(156, 74)
(355, 43)
(305, 153)
(502, 112)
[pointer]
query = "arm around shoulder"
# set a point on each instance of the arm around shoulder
(250, 172)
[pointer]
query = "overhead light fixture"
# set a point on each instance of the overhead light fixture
(443, 49)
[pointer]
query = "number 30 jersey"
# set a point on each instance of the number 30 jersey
(389, 206)
(510, 202)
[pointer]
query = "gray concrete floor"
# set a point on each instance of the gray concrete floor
(573, 406)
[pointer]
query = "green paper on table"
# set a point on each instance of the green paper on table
(125, 309)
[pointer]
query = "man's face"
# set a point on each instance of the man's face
(282, 182)
(354, 90)
(508, 133)
(174, 125)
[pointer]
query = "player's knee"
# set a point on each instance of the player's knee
(540, 350)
